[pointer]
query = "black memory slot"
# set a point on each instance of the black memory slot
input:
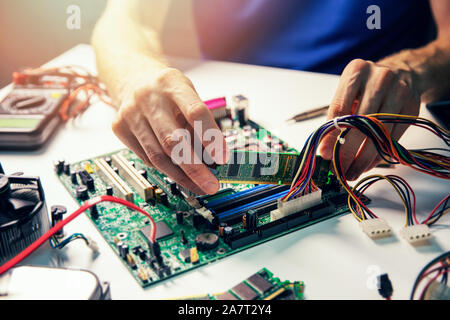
(248, 198)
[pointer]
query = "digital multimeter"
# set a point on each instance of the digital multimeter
(29, 115)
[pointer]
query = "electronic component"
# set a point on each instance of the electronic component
(416, 234)
(57, 213)
(23, 213)
(206, 241)
(120, 188)
(263, 285)
(384, 286)
(259, 283)
(134, 178)
(244, 292)
(376, 228)
(223, 214)
(81, 192)
(87, 179)
(193, 255)
(295, 205)
(162, 231)
(240, 104)
(260, 168)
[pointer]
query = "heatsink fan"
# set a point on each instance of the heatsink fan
(23, 213)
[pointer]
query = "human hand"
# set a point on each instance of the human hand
(152, 108)
(366, 87)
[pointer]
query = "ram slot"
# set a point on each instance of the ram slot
(107, 174)
(142, 187)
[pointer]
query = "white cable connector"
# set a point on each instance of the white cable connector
(376, 228)
(295, 205)
(416, 234)
(92, 245)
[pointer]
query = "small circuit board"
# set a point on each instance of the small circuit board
(192, 230)
(262, 285)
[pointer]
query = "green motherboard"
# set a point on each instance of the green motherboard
(192, 231)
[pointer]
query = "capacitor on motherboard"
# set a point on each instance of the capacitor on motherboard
(158, 193)
(59, 166)
(94, 212)
(251, 220)
(227, 232)
(109, 190)
(222, 225)
(183, 237)
(164, 199)
(81, 192)
(108, 160)
(57, 213)
(73, 177)
(66, 168)
(180, 217)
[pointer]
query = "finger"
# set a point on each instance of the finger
(169, 134)
(157, 156)
(121, 130)
(348, 90)
(367, 154)
(201, 119)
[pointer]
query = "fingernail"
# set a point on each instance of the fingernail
(210, 187)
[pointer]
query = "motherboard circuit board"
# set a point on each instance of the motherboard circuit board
(191, 230)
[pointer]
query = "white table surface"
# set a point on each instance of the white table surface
(335, 259)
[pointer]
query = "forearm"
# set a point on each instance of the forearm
(426, 70)
(124, 50)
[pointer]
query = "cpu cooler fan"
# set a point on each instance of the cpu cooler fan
(23, 213)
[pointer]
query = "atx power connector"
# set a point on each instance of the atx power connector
(376, 228)
(416, 234)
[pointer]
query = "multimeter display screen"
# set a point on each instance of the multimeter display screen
(19, 123)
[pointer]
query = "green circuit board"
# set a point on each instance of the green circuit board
(121, 226)
(263, 285)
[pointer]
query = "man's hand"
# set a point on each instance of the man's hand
(364, 88)
(153, 107)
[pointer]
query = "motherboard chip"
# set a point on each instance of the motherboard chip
(259, 283)
(244, 292)
(162, 231)
(226, 296)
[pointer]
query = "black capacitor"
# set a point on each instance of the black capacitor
(81, 192)
(59, 166)
(173, 188)
(183, 237)
(251, 220)
(197, 220)
(143, 173)
(116, 170)
(87, 180)
(109, 191)
(94, 212)
(164, 199)
(73, 177)
(142, 254)
(67, 168)
(180, 217)
(108, 160)
(242, 116)
(123, 250)
(131, 163)
(228, 232)
(57, 213)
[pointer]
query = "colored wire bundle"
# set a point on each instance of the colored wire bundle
(435, 269)
(56, 244)
(77, 80)
(50, 233)
(428, 161)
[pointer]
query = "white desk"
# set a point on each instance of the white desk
(334, 258)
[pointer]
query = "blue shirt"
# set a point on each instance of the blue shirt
(313, 35)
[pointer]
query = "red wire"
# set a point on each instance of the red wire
(88, 204)
(435, 208)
